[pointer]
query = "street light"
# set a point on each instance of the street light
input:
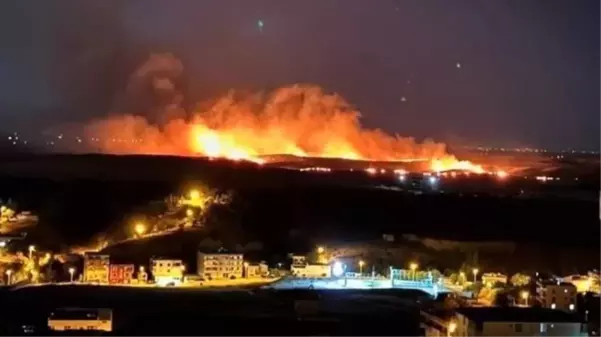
(189, 213)
(525, 296)
(140, 228)
(320, 250)
(71, 272)
(413, 266)
(361, 264)
(194, 194)
(451, 329)
(475, 272)
(8, 273)
(31, 250)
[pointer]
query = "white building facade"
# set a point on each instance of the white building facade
(167, 271)
(497, 321)
(220, 266)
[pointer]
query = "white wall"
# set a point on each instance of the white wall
(530, 329)
(509, 329)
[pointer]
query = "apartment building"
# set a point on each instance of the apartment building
(167, 271)
(557, 295)
(96, 268)
(214, 266)
(515, 322)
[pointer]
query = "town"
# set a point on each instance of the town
(452, 303)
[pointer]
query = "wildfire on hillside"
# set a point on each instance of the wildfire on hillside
(297, 120)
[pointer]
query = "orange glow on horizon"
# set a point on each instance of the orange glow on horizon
(298, 120)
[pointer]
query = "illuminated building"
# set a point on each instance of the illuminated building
(489, 279)
(257, 270)
(121, 273)
(73, 319)
(507, 321)
(214, 266)
(167, 272)
(557, 295)
(96, 268)
(301, 268)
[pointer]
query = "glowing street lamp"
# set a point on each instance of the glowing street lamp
(451, 328)
(338, 269)
(475, 272)
(361, 264)
(525, 295)
(71, 272)
(413, 266)
(31, 250)
(194, 194)
(320, 250)
(8, 273)
(189, 213)
(140, 228)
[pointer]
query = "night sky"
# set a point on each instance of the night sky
(499, 73)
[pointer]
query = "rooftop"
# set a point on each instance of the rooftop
(515, 314)
(555, 283)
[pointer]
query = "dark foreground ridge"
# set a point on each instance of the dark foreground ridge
(181, 311)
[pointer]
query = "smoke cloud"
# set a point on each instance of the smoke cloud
(299, 119)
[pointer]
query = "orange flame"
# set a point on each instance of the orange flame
(296, 120)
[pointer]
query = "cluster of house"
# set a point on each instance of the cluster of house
(97, 268)
(8, 215)
(555, 293)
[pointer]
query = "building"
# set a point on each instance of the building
(585, 283)
(257, 270)
(76, 319)
(96, 268)
(167, 272)
(121, 273)
(301, 268)
(557, 295)
(490, 279)
(215, 266)
(299, 260)
(507, 321)
(311, 270)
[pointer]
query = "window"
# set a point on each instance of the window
(518, 327)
